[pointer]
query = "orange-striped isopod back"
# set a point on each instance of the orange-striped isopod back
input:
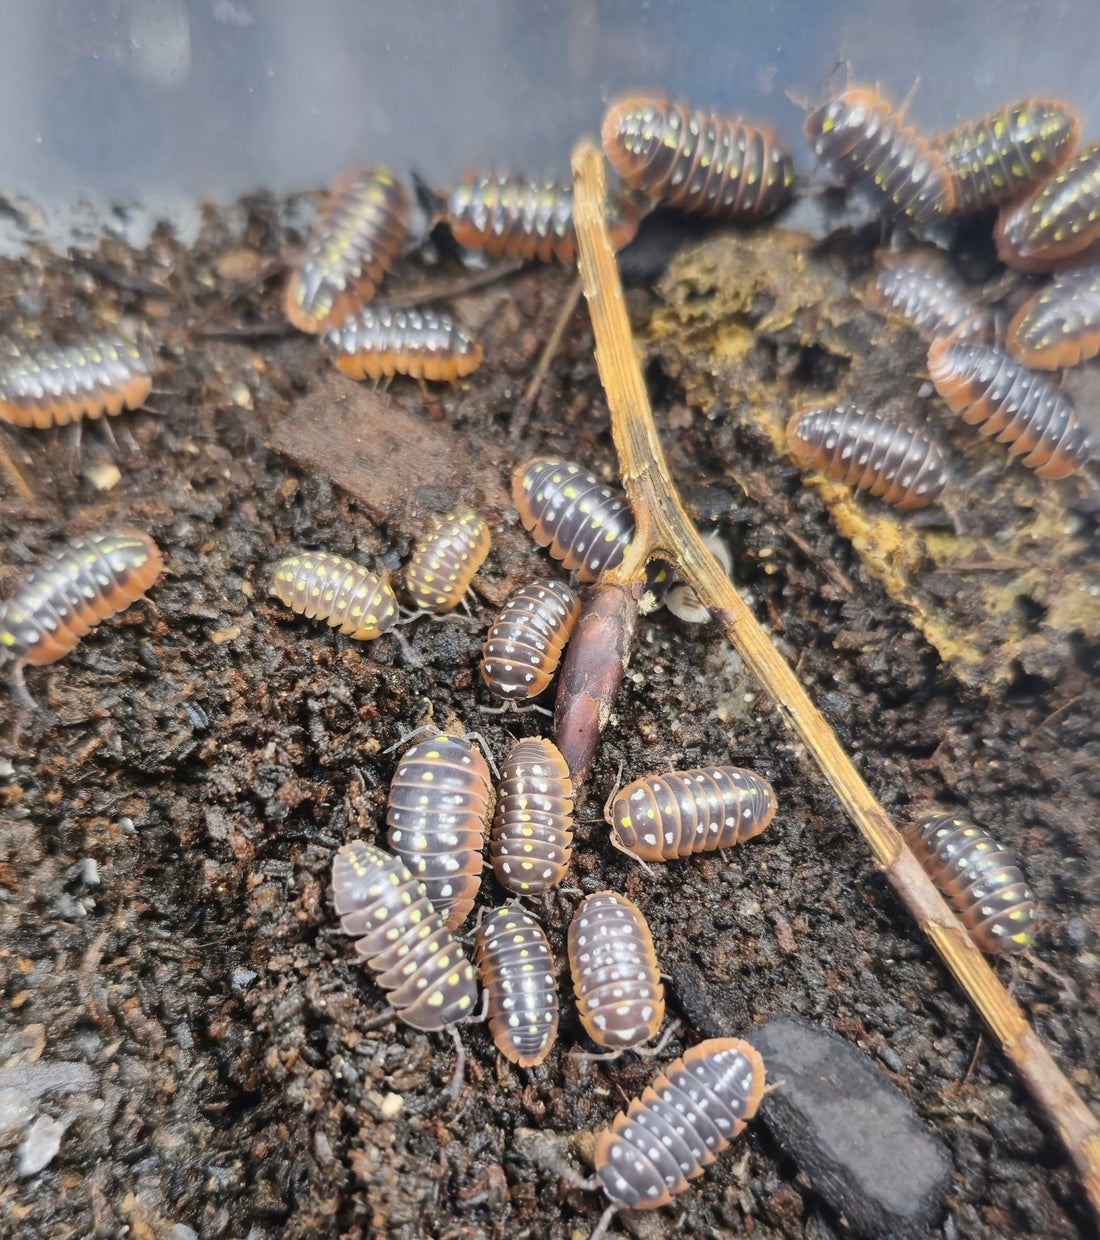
(522, 652)
(1060, 325)
(992, 391)
(662, 817)
(89, 580)
(401, 938)
(440, 802)
(516, 968)
(923, 290)
(54, 386)
(349, 251)
(979, 878)
(867, 450)
(1000, 156)
(680, 1125)
(512, 217)
(532, 837)
(585, 524)
(616, 977)
(1059, 221)
(445, 561)
(345, 595)
(696, 159)
(423, 344)
(869, 147)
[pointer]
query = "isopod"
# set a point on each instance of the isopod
(350, 250)
(87, 581)
(1060, 325)
(445, 561)
(979, 878)
(586, 525)
(923, 290)
(516, 967)
(696, 159)
(893, 461)
(992, 391)
(616, 977)
(401, 938)
(512, 217)
(55, 386)
(439, 805)
(376, 344)
(868, 146)
(523, 649)
(1000, 156)
(1059, 221)
(338, 591)
(662, 817)
(679, 1126)
(532, 836)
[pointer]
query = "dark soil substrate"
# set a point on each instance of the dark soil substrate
(204, 744)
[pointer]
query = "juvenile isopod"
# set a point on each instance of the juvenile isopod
(350, 250)
(440, 802)
(679, 1126)
(895, 462)
(1000, 156)
(616, 977)
(89, 580)
(445, 561)
(922, 289)
(523, 649)
(1060, 325)
(869, 147)
(54, 386)
(516, 967)
(662, 817)
(979, 878)
(532, 837)
(377, 344)
(586, 525)
(992, 391)
(1059, 221)
(696, 159)
(401, 938)
(338, 591)
(512, 217)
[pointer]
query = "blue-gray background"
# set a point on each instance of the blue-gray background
(170, 100)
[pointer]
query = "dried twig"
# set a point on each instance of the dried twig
(526, 404)
(664, 528)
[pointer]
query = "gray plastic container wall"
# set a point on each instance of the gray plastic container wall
(153, 105)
